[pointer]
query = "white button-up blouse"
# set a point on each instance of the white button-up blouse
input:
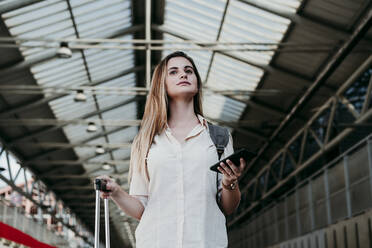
(180, 198)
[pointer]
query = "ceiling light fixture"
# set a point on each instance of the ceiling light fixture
(64, 51)
(100, 150)
(91, 127)
(106, 166)
(80, 96)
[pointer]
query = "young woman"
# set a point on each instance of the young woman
(172, 190)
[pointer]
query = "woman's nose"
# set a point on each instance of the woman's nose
(183, 75)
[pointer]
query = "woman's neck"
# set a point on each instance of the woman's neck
(181, 114)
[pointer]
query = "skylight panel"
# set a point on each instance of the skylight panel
(181, 17)
(245, 23)
(78, 133)
(289, 6)
(37, 21)
(105, 62)
(219, 107)
(99, 16)
(38, 17)
(123, 136)
(66, 108)
(33, 7)
(105, 101)
(121, 154)
(88, 152)
(231, 74)
(125, 112)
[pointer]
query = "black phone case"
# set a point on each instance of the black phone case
(235, 158)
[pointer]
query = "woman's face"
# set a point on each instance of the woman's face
(181, 81)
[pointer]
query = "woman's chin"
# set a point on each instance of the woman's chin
(182, 94)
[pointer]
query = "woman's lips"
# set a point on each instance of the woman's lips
(183, 82)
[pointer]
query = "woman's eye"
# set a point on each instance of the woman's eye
(189, 71)
(172, 72)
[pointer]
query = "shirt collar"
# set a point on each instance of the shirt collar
(201, 119)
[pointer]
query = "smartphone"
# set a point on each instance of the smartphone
(235, 158)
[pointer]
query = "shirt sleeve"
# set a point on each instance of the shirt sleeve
(228, 151)
(139, 185)
(142, 199)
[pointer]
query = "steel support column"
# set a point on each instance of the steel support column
(327, 197)
(347, 186)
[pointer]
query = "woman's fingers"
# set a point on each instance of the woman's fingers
(233, 167)
(105, 195)
(242, 164)
(227, 169)
(222, 170)
(109, 185)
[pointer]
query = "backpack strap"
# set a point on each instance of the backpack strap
(220, 138)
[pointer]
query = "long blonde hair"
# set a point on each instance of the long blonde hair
(156, 113)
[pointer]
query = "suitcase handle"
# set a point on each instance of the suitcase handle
(100, 185)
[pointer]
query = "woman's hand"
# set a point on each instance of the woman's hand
(231, 175)
(111, 186)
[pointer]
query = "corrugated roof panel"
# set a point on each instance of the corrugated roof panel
(123, 136)
(121, 154)
(341, 13)
(221, 108)
(103, 62)
(105, 101)
(126, 112)
(41, 22)
(201, 58)
(307, 63)
(289, 6)
(96, 17)
(51, 20)
(87, 152)
(66, 108)
(54, 65)
(99, 10)
(28, 8)
(105, 30)
(61, 72)
(100, 158)
(198, 14)
(78, 133)
(245, 23)
(231, 74)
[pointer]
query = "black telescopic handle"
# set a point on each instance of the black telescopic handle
(100, 184)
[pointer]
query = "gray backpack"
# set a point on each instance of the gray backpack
(220, 138)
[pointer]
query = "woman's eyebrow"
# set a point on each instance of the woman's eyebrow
(186, 66)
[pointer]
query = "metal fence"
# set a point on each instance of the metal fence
(341, 190)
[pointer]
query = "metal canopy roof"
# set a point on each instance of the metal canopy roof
(284, 47)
